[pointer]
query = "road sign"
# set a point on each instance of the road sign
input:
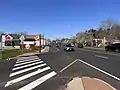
(22, 38)
(37, 37)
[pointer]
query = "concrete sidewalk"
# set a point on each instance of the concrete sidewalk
(46, 49)
(87, 83)
(95, 48)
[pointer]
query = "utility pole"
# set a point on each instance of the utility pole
(43, 40)
(40, 43)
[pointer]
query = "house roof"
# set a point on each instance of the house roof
(32, 36)
(15, 36)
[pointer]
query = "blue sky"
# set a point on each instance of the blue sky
(55, 18)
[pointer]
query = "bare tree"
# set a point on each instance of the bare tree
(108, 23)
(111, 28)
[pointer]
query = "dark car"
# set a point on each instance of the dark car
(69, 47)
(113, 47)
(79, 45)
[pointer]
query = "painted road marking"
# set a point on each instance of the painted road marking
(39, 81)
(27, 58)
(26, 65)
(26, 76)
(106, 73)
(27, 62)
(101, 56)
(68, 66)
(25, 70)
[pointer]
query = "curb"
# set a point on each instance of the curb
(92, 48)
(75, 84)
(95, 84)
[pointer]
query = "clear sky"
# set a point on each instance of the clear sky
(55, 18)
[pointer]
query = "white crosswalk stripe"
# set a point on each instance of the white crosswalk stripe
(27, 58)
(27, 69)
(26, 62)
(27, 65)
(38, 81)
(25, 76)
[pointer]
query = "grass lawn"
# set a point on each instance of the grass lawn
(15, 52)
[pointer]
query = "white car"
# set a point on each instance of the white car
(69, 47)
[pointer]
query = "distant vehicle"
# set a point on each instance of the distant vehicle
(69, 47)
(79, 45)
(57, 45)
(113, 47)
(72, 45)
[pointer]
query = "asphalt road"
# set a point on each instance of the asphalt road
(66, 65)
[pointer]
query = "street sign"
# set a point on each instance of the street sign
(22, 38)
(37, 37)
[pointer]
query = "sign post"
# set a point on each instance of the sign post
(22, 38)
(40, 43)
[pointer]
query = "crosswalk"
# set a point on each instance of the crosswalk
(28, 73)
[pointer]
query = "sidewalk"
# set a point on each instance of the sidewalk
(87, 83)
(46, 49)
(95, 48)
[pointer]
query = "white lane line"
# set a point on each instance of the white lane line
(26, 76)
(68, 66)
(27, 59)
(101, 56)
(25, 70)
(26, 65)
(100, 70)
(39, 81)
(26, 62)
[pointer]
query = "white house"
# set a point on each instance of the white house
(6, 41)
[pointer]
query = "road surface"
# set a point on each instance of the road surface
(53, 70)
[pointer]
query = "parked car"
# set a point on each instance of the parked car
(79, 45)
(113, 47)
(69, 47)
